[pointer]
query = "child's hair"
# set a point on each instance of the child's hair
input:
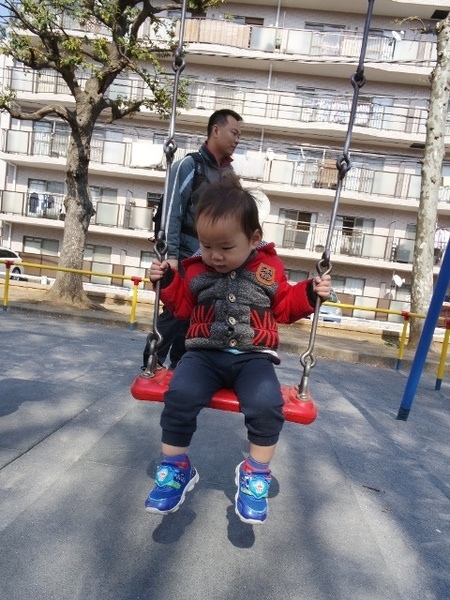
(228, 199)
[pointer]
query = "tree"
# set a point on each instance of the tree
(422, 272)
(36, 38)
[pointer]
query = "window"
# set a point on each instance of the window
(302, 219)
(299, 228)
(446, 175)
(45, 198)
(99, 194)
(41, 186)
(403, 293)
(351, 225)
(238, 83)
(313, 93)
(248, 20)
(348, 237)
(11, 173)
(119, 88)
(100, 254)
(348, 285)
(146, 259)
(42, 131)
(310, 25)
(295, 276)
(101, 262)
(35, 245)
(411, 231)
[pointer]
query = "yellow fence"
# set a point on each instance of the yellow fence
(134, 279)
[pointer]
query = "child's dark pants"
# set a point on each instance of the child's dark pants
(201, 373)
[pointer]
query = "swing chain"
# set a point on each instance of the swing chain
(170, 147)
(308, 359)
(343, 165)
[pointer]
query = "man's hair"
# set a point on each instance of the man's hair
(220, 117)
(228, 199)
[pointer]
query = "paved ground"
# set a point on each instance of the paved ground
(359, 506)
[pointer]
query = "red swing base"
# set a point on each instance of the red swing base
(295, 409)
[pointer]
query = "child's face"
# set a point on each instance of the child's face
(224, 245)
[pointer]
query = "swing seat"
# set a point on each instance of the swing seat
(295, 409)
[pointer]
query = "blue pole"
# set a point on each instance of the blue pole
(426, 337)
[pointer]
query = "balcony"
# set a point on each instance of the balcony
(305, 239)
(403, 118)
(333, 53)
(297, 170)
(393, 120)
(33, 205)
(351, 243)
(218, 37)
(270, 39)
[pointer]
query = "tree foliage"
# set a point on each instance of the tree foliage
(422, 273)
(57, 35)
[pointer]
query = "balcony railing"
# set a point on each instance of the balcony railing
(400, 115)
(314, 44)
(288, 235)
(51, 206)
(318, 44)
(354, 242)
(394, 180)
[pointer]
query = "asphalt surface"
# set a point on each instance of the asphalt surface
(359, 504)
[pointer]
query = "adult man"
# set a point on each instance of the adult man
(223, 134)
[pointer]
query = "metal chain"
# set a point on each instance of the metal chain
(170, 147)
(343, 165)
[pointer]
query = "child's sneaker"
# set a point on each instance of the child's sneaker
(251, 497)
(172, 483)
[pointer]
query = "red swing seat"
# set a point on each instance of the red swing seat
(295, 409)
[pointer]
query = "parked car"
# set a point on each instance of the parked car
(17, 269)
(331, 314)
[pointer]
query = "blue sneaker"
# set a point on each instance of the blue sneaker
(251, 504)
(172, 483)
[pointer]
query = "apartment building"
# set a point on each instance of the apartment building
(286, 67)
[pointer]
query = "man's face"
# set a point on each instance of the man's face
(225, 138)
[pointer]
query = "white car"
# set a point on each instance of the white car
(332, 313)
(17, 269)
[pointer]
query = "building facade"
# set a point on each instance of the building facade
(286, 67)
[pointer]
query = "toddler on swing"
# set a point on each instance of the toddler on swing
(234, 291)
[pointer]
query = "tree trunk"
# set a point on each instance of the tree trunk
(68, 287)
(422, 273)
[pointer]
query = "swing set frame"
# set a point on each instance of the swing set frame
(299, 406)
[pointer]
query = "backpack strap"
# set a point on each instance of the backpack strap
(199, 170)
(188, 227)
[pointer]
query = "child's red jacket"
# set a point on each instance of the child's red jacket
(237, 310)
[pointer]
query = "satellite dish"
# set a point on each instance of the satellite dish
(263, 203)
(398, 280)
(397, 36)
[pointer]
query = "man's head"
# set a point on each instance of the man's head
(224, 132)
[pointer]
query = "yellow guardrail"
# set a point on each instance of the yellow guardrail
(134, 299)
(134, 279)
